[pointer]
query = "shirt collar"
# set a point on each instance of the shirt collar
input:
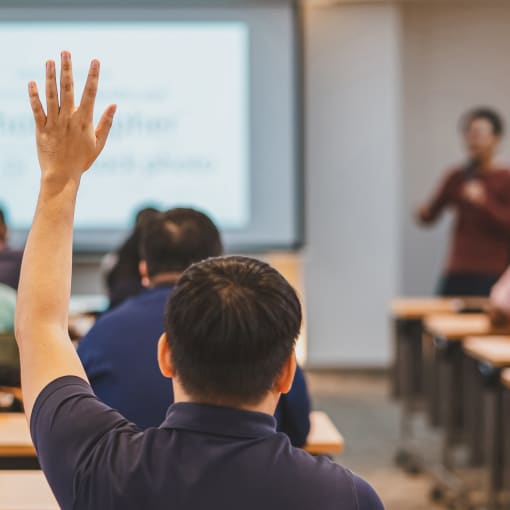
(222, 421)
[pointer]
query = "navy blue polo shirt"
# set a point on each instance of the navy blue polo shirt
(200, 457)
(120, 358)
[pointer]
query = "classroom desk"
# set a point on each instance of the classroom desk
(25, 490)
(15, 440)
(414, 369)
(324, 438)
(445, 334)
(505, 400)
(491, 355)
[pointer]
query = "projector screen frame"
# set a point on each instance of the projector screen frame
(11, 9)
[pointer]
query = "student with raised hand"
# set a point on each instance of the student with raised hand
(118, 353)
(479, 193)
(229, 339)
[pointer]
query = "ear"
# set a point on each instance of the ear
(286, 377)
(165, 357)
(144, 273)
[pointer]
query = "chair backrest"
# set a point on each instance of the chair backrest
(9, 360)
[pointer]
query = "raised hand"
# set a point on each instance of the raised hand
(67, 142)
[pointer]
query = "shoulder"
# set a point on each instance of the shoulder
(366, 496)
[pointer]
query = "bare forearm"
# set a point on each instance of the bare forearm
(43, 294)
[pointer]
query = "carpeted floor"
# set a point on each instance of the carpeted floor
(369, 420)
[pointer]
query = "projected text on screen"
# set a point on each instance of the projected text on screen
(181, 133)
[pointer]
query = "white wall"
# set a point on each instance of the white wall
(351, 265)
(455, 57)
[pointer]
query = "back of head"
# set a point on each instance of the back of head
(174, 240)
(231, 324)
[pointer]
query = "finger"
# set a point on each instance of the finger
(103, 128)
(66, 84)
(35, 103)
(51, 91)
(89, 92)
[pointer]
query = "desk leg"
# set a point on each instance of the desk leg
(431, 380)
(410, 377)
(397, 361)
(505, 426)
(473, 403)
(494, 448)
(451, 403)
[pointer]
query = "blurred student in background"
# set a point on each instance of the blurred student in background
(122, 277)
(119, 353)
(10, 260)
(479, 193)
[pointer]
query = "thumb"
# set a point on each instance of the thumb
(104, 126)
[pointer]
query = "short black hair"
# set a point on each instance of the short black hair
(177, 238)
(231, 324)
(488, 114)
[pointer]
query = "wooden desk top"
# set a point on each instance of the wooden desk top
(458, 326)
(25, 490)
(494, 350)
(324, 438)
(417, 308)
(15, 440)
(505, 378)
(420, 307)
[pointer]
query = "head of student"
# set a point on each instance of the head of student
(175, 239)
(231, 328)
(483, 129)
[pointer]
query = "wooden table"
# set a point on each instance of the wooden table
(458, 326)
(445, 335)
(25, 490)
(324, 438)
(491, 354)
(15, 440)
(418, 308)
(412, 370)
(493, 350)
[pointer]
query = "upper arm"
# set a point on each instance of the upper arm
(442, 197)
(49, 356)
(70, 427)
(366, 496)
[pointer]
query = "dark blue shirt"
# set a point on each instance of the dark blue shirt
(10, 267)
(200, 457)
(120, 357)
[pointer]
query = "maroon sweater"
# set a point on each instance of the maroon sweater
(481, 234)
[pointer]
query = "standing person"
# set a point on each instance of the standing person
(10, 260)
(229, 345)
(479, 194)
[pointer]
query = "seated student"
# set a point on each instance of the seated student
(230, 331)
(122, 276)
(10, 260)
(118, 353)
